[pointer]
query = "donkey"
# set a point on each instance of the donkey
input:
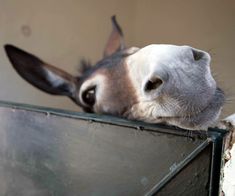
(157, 83)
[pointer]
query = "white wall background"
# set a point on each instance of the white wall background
(63, 31)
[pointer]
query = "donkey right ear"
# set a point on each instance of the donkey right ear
(41, 75)
(116, 40)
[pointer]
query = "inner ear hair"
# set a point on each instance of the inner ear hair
(46, 77)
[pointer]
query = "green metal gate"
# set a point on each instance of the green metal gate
(53, 152)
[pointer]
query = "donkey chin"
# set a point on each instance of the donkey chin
(153, 112)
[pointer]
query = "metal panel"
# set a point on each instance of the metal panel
(193, 180)
(54, 152)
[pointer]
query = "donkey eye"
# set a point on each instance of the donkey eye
(88, 96)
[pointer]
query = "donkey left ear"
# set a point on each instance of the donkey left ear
(116, 41)
(41, 75)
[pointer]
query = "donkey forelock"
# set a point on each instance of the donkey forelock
(157, 83)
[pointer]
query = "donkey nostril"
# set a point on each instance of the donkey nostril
(152, 84)
(197, 55)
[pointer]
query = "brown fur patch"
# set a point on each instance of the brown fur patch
(120, 94)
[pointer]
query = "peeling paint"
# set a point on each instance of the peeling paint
(228, 181)
(228, 185)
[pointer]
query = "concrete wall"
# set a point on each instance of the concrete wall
(63, 31)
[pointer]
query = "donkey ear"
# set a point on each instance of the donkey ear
(116, 40)
(41, 75)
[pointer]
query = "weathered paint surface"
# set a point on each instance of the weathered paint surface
(229, 175)
(228, 181)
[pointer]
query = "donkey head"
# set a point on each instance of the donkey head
(157, 83)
